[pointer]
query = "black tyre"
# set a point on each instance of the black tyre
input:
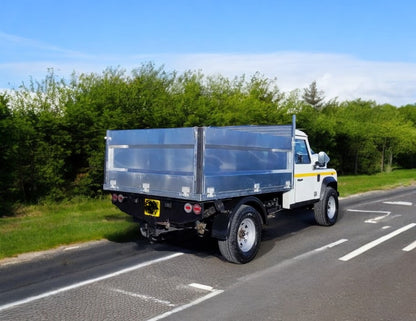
(326, 210)
(244, 237)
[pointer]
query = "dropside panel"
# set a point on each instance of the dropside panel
(151, 161)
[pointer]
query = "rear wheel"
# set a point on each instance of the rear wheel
(326, 210)
(244, 237)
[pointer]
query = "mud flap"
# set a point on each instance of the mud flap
(221, 226)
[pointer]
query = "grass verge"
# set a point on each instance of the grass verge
(349, 185)
(42, 227)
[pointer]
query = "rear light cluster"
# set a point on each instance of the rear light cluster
(196, 208)
(118, 198)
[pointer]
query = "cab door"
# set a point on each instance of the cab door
(305, 177)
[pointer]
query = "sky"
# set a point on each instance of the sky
(353, 49)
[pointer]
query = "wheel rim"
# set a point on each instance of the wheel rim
(143, 231)
(246, 236)
(332, 208)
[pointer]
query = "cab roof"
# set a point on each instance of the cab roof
(300, 134)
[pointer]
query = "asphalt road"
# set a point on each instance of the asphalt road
(363, 268)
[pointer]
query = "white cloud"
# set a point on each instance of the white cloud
(339, 76)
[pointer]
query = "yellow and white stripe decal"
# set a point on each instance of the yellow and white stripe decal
(315, 174)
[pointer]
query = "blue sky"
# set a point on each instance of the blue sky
(353, 49)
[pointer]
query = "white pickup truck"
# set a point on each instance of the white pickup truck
(222, 182)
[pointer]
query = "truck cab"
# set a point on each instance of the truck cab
(310, 176)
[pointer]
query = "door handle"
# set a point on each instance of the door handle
(300, 179)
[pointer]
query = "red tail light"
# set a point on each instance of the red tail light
(197, 209)
(187, 207)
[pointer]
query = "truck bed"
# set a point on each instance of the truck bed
(200, 163)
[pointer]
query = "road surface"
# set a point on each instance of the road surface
(363, 268)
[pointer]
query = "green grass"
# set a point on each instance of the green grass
(349, 185)
(42, 227)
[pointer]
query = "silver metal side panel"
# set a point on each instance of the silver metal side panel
(200, 163)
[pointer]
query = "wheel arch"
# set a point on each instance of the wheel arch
(329, 181)
(222, 221)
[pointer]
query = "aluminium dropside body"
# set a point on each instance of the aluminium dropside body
(193, 177)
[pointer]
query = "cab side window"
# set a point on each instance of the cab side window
(301, 152)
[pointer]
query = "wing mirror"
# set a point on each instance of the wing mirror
(323, 159)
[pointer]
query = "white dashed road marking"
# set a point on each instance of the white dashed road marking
(87, 282)
(331, 245)
(399, 203)
(212, 292)
(410, 247)
(201, 286)
(144, 297)
(374, 243)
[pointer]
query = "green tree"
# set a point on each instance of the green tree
(41, 139)
(394, 134)
(407, 157)
(359, 127)
(7, 160)
(313, 96)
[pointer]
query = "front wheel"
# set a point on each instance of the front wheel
(326, 210)
(244, 237)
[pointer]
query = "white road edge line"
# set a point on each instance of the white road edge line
(87, 282)
(70, 248)
(186, 306)
(374, 243)
(410, 247)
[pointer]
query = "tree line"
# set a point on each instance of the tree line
(52, 131)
